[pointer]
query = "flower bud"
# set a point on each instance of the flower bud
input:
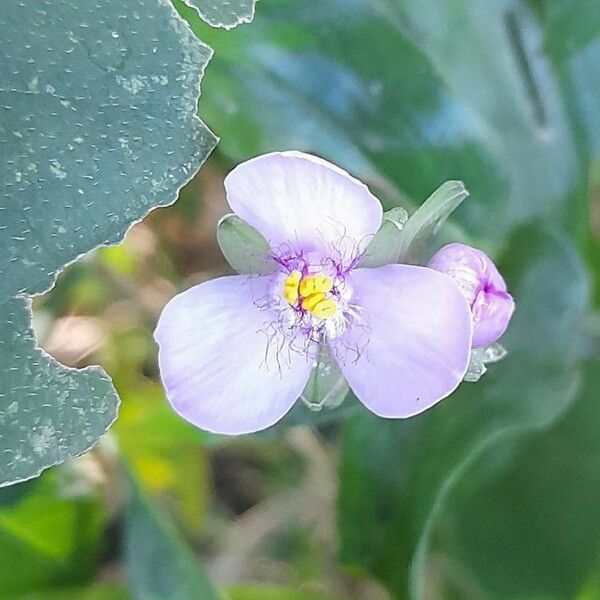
(482, 286)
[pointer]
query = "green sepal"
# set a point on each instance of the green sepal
(244, 248)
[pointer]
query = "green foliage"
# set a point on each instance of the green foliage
(396, 476)
(406, 95)
(384, 248)
(409, 240)
(160, 566)
(326, 387)
(543, 506)
(46, 540)
(425, 223)
(491, 494)
(435, 112)
(91, 138)
(90, 142)
(96, 592)
(268, 593)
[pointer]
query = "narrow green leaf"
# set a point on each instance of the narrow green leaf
(160, 565)
(385, 247)
(421, 227)
(245, 249)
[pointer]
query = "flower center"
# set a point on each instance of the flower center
(310, 293)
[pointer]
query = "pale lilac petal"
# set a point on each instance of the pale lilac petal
(483, 287)
(414, 347)
(214, 362)
(300, 202)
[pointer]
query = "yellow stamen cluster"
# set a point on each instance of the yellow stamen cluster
(312, 292)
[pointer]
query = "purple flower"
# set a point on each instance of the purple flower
(483, 287)
(236, 352)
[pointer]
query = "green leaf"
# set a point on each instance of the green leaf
(318, 76)
(261, 592)
(385, 247)
(420, 229)
(245, 249)
(95, 592)
(98, 126)
(571, 38)
(160, 565)
(164, 451)
(226, 14)
(544, 506)
(396, 475)
(46, 538)
(408, 239)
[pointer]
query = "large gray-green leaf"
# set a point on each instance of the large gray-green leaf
(396, 474)
(160, 566)
(47, 411)
(98, 125)
(225, 14)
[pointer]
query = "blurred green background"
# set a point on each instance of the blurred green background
(494, 493)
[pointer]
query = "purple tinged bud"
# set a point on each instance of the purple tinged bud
(482, 286)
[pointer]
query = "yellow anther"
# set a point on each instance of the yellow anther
(307, 286)
(290, 287)
(312, 290)
(325, 309)
(319, 305)
(315, 283)
(310, 302)
(323, 283)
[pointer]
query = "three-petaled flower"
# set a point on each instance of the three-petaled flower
(236, 352)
